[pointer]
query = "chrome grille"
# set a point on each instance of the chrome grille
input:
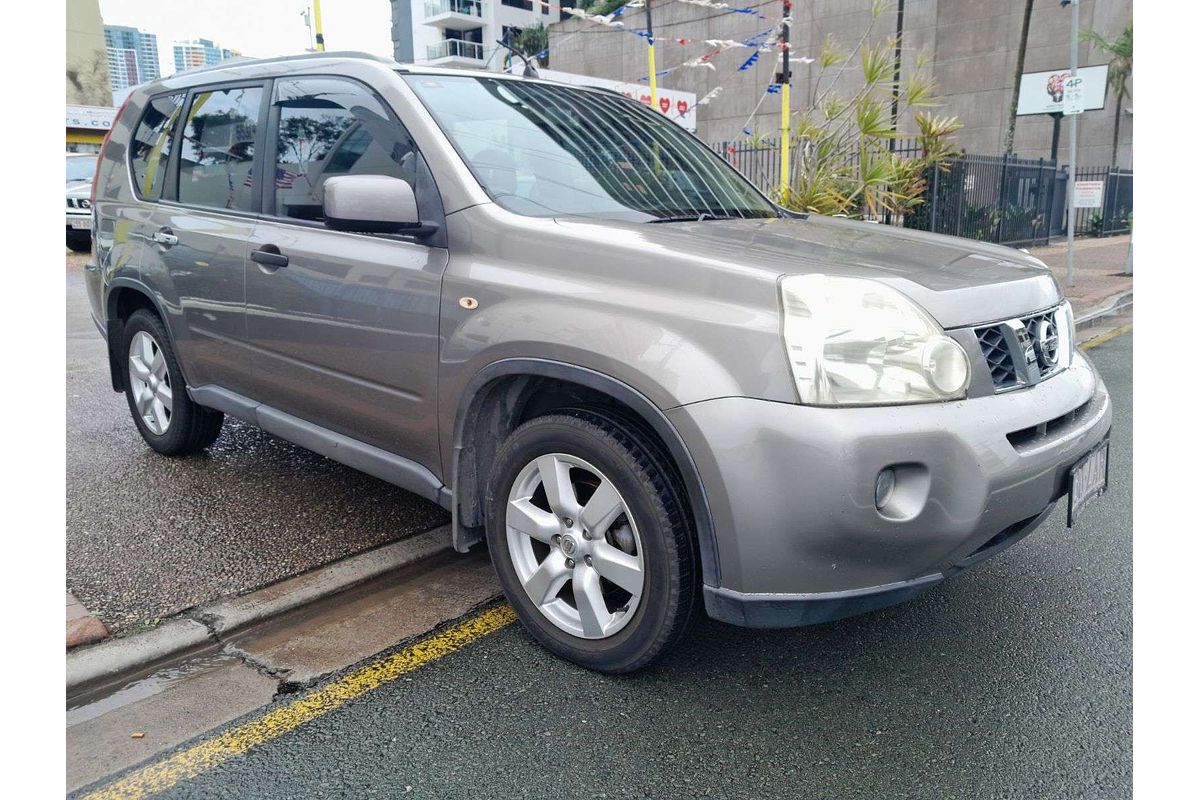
(1022, 351)
(1046, 361)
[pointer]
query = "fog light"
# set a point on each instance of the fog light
(884, 485)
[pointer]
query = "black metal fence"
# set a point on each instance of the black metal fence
(1115, 214)
(992, 198)
(1002, 199)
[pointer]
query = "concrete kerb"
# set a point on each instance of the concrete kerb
(203, 626)
(1095, 315)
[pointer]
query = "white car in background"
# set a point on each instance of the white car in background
(80, 169)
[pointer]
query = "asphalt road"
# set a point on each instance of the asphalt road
(1012, 681)
(149, 536)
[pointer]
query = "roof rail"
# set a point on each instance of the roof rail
(240, 61)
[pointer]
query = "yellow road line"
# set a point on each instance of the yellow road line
(187, 764)
(1106, 337)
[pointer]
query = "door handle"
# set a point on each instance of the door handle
(269, 256)
(165, 237)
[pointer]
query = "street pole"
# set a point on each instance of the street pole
(1073, 132)
(317, 23)
(785, 90)
(650, 56)
(308, 24)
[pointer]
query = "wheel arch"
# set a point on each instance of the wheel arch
(124, 296)
(506, 392)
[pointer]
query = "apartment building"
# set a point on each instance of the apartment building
(200, 53)
(463, 33)
(132, 57)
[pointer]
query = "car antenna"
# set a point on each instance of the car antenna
(530, 70)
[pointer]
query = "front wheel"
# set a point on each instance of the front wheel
(591, 540)
(79, 241)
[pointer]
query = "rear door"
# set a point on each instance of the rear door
(201, 231)
(344, 325)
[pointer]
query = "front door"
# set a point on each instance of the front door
(344, 326)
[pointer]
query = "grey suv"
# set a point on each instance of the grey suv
(557, 314)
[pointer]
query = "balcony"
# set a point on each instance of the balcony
(455, 53)
(444, 14)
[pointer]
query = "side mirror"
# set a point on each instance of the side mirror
(372, 204)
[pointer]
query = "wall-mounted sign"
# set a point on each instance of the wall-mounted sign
(96, 118)
(1044, 92)
(1089, 194)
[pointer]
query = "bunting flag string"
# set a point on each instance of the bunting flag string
(608, 19)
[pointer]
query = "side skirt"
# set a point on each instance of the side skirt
(394, 469)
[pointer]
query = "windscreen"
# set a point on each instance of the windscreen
(548, 150)
(80, 168)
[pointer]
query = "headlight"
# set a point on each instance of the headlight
(1065, 320)
(852, 341)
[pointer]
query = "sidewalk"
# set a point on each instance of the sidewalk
(1099, 264)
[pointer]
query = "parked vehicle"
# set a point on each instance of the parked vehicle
(559, 315)
(80, 169)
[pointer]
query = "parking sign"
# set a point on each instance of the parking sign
(1073, 102)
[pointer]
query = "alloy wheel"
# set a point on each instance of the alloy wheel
(575, 546)
(150, 382)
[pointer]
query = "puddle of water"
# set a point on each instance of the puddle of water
(148, 686)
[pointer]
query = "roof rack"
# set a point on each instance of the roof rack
(241, 61)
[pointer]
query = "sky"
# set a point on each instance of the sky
(257, 28)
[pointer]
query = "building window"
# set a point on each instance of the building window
(525, 4)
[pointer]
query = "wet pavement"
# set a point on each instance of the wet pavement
(149, 536)
(1009, 681)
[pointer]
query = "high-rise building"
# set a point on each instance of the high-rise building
(200, 53)
(132, 56)
(87, 64)
(463, 33)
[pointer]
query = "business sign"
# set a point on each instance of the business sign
(95, 118)
(1044, 92)
(677, 106)
(1089, 194)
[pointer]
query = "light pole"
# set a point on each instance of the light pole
(1073, 133)
(785, 101)
(650, 56)
(307, 17)
(316, 5)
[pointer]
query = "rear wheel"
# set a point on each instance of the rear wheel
(164, 414)
(591, 541)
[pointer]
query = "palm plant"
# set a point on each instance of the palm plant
(1120, 70)
(844, 159)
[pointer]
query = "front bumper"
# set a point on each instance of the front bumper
(79, 221)
(791, 490)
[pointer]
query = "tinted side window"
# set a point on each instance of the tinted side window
(151, 146)
(217, 154)
(329, 127)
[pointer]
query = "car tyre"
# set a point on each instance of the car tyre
(601, 453)
(167, 418)
(79, 241)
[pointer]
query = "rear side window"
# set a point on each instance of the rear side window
(151, 146)
(217, 153)
(328, 127)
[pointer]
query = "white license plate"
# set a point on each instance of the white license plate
(1088, 480)
(82, 224)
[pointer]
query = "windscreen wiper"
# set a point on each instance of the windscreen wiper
(701, 217)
